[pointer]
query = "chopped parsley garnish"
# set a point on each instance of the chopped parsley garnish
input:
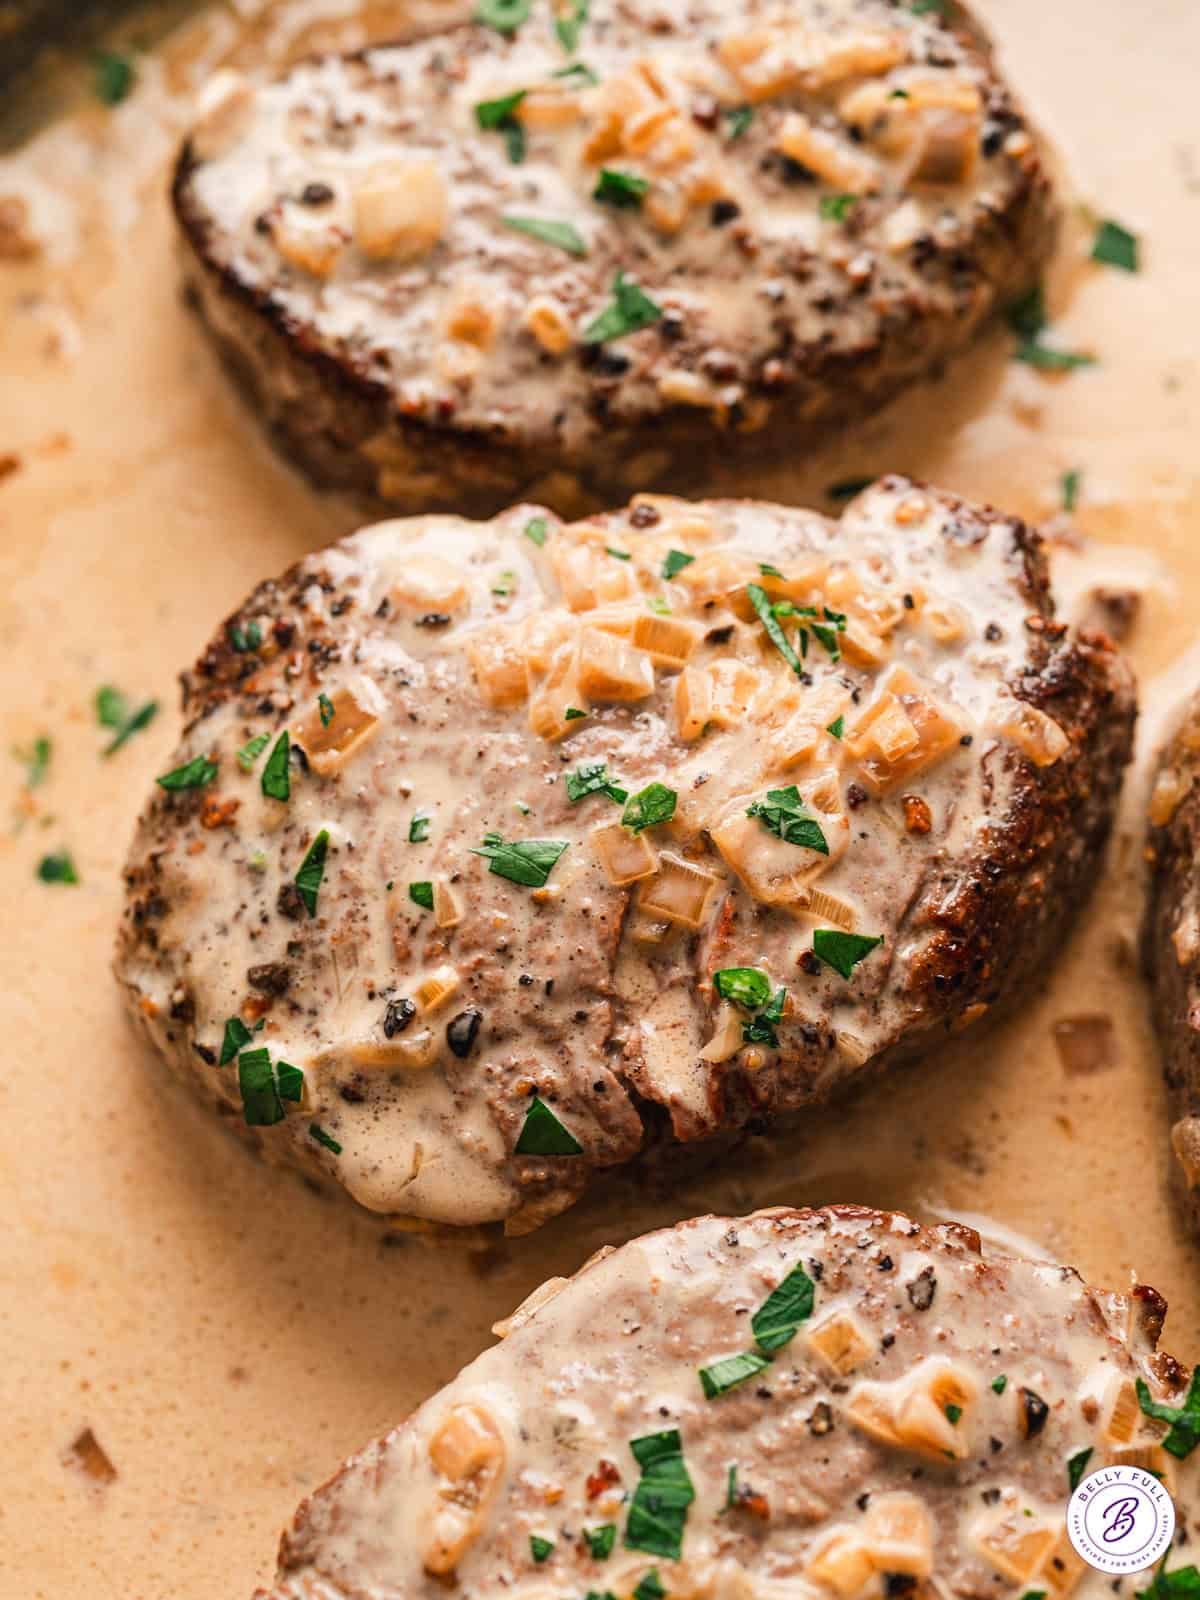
(114, 76)
(591, 777)
(758, 599)
(836, 207)
(1185, 1419)
(251, 750)
(325, 707)
(675, 562)
(113, 711)
(317, 1132)
(276, 777)
(1028, 320)
(747, 986)
(561, 234)
(57, 868)
(658, 1510)
(768, 571)
(535, 531)
(630, 310)
(36, 761)
(727, 1373)
(312, 870)
(777, 1321)
(540, 1548)
(649, 806)
(582, 75)
(737, 121)
(921, 8)
(421, 894)
(622, 189)
(1182, 1584)
(837, 727)
(827, 629)
(542, 1134)
(264, 1088)
(506, 16)
(847, 488)
(650, 1587)
(194, 774)
(659, 606)
(237, 1037)
(245, 637)
(751, 988)
(620, 555)
(499, 116)
(1069, 484)
(783, 813)
(528, 862)
(569, 27)
(1077, 1467)
(731, 1488)
(418, 828)
(573, 714)
(953, 1415)
(505, 584)
(600, 1541)
(1115, 246)
(843, 951)
(1000, 1384)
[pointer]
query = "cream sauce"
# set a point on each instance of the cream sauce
(227, 1335)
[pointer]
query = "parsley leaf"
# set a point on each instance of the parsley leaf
(418, 828)
(114, 76)
(237, 1037)
(194, 774)
(261, 1105)
(591, 777)
(1182, 1584)
(737, 121)
(837, 727)
(1028, 319)
(843, 951)
(421, 894)
(1077, 1467)
(783, 813)
(650, 1587)
(675, 562)
(721, 1376)
(277, 776)
(542, 1134)
(312, 870)
(325, 707)
(1000, 1384)
(778, 1319)
(622, 189)
(528, 862)
(1069, 483)
(836, 207)
(535, 531)
(499, 116)
(1185, 1419)
(630, 310)
(506, 16)
(113, 711)
(57, 868)
(540, 1548)
(658, 1510)
(761, 1028)
(251, 750)
(746, 986)
(560, 234)
(758, 599)
(317, 1132)
(36, 761)
(569, 27)
(600, 1541)
(1115, 246)
(649, 806)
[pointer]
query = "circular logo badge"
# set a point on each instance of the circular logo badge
(1120, 1519)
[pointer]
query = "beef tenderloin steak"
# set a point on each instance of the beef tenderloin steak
(798, 1405)
(491, 265)
(489, 846)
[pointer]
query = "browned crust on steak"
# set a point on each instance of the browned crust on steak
(1171, 954)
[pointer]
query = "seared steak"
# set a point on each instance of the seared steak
(492, 264)
(505, 839)
(834, 1403)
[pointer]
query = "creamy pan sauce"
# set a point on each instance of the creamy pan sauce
(226, 1336)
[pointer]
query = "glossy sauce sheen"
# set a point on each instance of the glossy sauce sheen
(173, 1295)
